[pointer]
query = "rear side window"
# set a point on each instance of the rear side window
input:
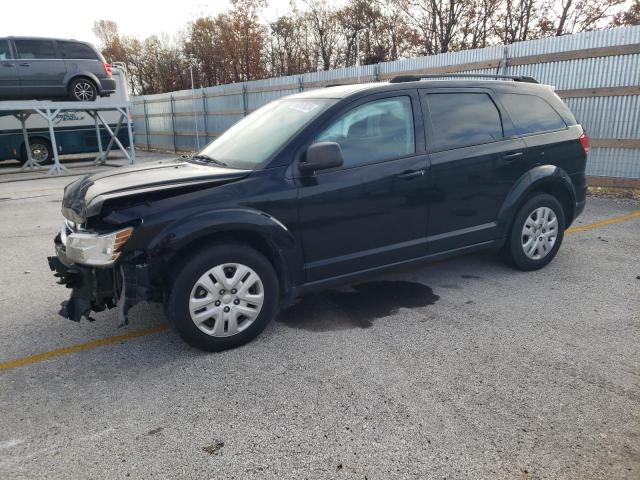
(531, 114)
(463, 119)
(5, 53)
(375, 131)
(77, 51)
(29, 49)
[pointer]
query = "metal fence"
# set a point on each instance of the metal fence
(596, 73)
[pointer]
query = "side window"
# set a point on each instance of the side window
(5, 53)
(376, 131)
(462, 119)
(531, 114)
(30, 49)
(77, 51)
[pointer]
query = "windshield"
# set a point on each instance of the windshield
(254, 139)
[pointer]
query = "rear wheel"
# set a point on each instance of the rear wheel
(83, 90)
(41, 151)
(536, 233)
(223, 297)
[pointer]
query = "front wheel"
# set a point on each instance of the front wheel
(83, 90)
(223, 297)
(536, 233)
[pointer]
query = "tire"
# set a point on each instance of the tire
(41, 151)
(534, 245)
(200, 292)
(83, 90)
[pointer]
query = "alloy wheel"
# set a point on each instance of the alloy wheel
(84, 91)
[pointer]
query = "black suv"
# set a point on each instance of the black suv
(320, 188)
(48, 68)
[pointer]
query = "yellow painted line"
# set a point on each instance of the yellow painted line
(603, 223)
(101, 342)
(40, 357)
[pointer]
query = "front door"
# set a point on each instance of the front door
(474, 165)
(9, 85)
(372, 211)
(40, 68)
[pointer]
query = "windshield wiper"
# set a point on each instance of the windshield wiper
(208, 159)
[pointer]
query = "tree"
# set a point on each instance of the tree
(628, 17)
(571, 16)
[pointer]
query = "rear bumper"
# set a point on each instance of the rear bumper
(107, 86)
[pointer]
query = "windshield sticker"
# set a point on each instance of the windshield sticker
(304, 107)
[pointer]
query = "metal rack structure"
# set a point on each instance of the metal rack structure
(49, 110)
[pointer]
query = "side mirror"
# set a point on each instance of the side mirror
(320, 156)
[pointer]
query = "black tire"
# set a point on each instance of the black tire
(40, 148)
(83, 90)
(184, 284)
(513, 251)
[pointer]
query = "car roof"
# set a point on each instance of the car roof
(344, 91)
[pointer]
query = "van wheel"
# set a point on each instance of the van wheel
(223, 297)
(83, 90)
(536, 233)
(41, 151)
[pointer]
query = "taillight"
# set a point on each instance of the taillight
(107, 69)
(584, 141)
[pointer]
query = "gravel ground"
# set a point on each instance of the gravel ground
(460, 369)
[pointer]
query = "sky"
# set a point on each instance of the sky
(70, 19)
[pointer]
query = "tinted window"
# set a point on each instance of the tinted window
(5, 53)
(77, 51)
(28, 49)
(531, 114)
(375, 131)
(461, 119)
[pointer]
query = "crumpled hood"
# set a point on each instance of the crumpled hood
(85, 197)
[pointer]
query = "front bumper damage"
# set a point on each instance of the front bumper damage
(96, 289)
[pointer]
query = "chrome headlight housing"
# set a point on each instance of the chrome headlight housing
(89, 248)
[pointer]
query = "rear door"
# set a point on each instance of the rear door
(80, 57)
(9, 84)
(473, 165)
(373, 210)
(40, 67)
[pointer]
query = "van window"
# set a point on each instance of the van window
(5, 53)
(463, 119)
(30, 49)
(375, 131)
(531, 114)
(77, 50)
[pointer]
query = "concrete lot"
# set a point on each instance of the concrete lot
(461, 369)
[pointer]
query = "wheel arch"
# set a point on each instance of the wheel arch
(258, 230)
(543, 179)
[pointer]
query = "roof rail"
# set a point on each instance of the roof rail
(416, 78)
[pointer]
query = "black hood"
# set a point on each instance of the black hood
(84, 197)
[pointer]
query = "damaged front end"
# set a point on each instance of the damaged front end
(95, 288)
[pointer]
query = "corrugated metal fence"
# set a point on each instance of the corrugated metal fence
(597, 74)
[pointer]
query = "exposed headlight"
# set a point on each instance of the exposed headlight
(93, 249)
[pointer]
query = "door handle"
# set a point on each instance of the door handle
(25, 64)
(512, 156)
(408, 175)
(7, 65)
